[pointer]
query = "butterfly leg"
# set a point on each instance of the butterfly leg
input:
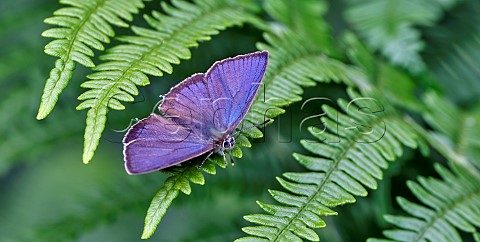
(231, 159)
(220, 152)
(206, 158)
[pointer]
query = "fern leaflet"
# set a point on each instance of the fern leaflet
(83, 26)
(389, 26)
(397, 86)
(449, 204)
(349, 157)
(291, 66)
(150, 52)
(456, 132)
(178, 180)
(303, 18)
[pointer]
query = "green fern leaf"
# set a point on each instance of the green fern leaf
(456, 131)
(178, 181)
(303, 18)
(349, 156)
(293, 65)
(388, 26)
(449, 204)
(396, 85)
(150, 52)
(82, 26)
(452, 53)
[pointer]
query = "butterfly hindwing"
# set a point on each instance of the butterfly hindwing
(157, 142)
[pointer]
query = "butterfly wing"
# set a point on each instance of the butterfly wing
(196, 113)
(232, 84)
(158, 142)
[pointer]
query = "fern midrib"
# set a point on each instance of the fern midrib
(74, 39)
(444, 210)
(341, 156)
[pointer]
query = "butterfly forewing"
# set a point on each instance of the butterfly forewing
(234, 82)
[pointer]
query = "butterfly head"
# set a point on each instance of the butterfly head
(228, 143)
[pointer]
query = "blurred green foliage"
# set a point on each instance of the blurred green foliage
(47, 194)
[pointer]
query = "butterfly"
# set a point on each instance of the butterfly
(197, 116)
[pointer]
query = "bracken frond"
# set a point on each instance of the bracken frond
(82, 26)
(388, 26)
(292, 66)
(349, 155)
(449, 204)
(456, 134)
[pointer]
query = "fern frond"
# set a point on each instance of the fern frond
(303, 18)
(350, 154)
(295, 63)
(453, 50)
(150, 52)
(397, 86)
(449, 204)
(81, 26)
(292, 66)
(388, 26)
(456, 131)
(178, 181)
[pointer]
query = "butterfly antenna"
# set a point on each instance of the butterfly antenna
(133, 120)
(155, 107)
(253, 126)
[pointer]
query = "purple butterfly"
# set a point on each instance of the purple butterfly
(198, 115)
